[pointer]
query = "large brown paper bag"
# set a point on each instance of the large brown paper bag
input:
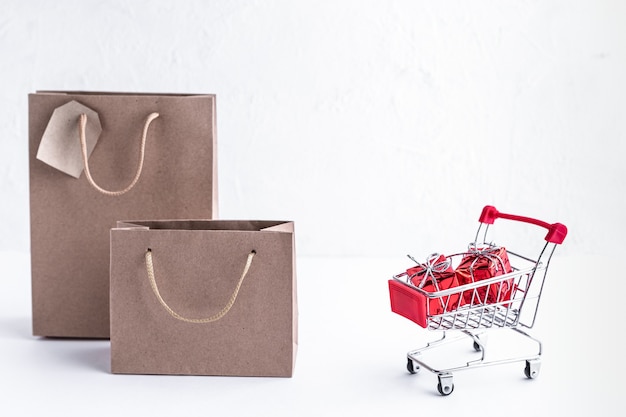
(142, 155)
(203, 298)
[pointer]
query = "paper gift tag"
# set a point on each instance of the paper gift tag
(60, 144)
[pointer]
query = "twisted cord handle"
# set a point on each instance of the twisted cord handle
(214, 317)
(142, 153)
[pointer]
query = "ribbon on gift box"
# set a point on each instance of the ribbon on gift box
(438, 270)
(491, 261)
(435, 264)
(490, 252)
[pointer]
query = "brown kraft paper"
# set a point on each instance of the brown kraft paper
(197, 266)
(71, 220)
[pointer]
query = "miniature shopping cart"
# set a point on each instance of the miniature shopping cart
(508, 299)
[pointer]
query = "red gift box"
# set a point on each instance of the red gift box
(408, 301)
(481, 263)
(435, 275)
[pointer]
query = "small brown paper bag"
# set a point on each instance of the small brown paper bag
(203, 298)
(130, 155)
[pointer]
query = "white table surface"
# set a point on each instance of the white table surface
(351, 358)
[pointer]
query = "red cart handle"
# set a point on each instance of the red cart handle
(556, 231)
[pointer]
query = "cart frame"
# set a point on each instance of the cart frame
(518, 309)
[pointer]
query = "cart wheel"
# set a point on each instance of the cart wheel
(476, 347)
(412, 367)
(532, 368)
(445, 385)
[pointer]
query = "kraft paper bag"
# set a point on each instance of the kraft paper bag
(95, 158)
(204, 298)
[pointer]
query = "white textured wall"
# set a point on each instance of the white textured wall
(377, 126)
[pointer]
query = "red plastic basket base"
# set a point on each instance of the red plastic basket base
(407, 302)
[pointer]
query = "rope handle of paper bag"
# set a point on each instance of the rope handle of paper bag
(216, 316)
(142, 153)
